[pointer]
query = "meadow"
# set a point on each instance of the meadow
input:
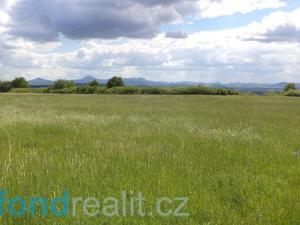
(237, 158)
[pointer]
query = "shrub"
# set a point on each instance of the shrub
(86, 89)
(101, 90)
(115, 82)
(29, 90)
(19, 82)
(79, 90)
(273, 93)
(62, 84)
(232, 92)
(290, 86)
(5, 86)
(292, 93)
(154, 91)
(71, 90)
(94, 83)
(129, 90)
(171, 91)
(192, 91)
(203, 91)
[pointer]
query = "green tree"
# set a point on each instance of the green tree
(115, 82)
(62, 84)
(290, 86)
(5, 86)
(19, 82)
(94, 83)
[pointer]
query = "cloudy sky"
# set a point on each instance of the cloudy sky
(163, 40)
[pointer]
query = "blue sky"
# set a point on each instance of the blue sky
(174, 40)
(231, 21)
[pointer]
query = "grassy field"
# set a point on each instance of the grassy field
(236, 158)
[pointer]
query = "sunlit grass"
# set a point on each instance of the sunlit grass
(234, 157)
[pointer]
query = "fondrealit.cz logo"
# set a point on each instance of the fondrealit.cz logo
(127, 204)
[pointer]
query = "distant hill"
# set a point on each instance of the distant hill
(142, 82)
(146, 83)
(88, 79)
(39, 82)
(258, 88)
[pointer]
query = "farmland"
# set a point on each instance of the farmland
(235, 157)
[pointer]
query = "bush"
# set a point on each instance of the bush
(193, 91)
(293, 93)
(86, 89)
(115, 82)
(155, 91)
(273, 93)
(129, 90)
(290, 86)
(170, 91)
(93, 84)
(101, 90)
(231, 92)
(5, 86)
(62, 84)
(19, 82)
(78, 90)
(29, 90)
(123, 90)
(71, 90)
(203, 91)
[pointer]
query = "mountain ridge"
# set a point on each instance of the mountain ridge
(142, 82)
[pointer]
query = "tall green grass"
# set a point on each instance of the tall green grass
(236, 158)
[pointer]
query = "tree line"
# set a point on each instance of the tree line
(291, 90)
(19, 82)
(22, 83)
(116, 85)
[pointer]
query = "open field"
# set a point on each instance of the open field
(236, 158)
